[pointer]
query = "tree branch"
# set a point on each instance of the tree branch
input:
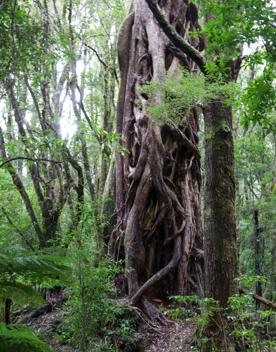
(21, 189)
(175, 38)
(95, 52)
(25, 239)
(29, 159)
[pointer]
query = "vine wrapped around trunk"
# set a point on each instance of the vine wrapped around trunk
(158, 231)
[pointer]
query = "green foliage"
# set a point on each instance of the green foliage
(259, 101)
(183, 308)
(255, 176)
(249, 281)
(21, 38)
(174, 97)
(249, 325)
(13, 206)
(21, 272)
(234, 23)
(21, 339)
(239, 320)
(91, 311)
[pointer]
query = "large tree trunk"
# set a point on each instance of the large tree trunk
(220, 244)
(158, 230)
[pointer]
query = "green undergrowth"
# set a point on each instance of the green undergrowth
(249, 329)
(92, 318)
(23, 276)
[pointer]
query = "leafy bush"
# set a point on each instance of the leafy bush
(240, 321)
(183, 308)
(91, 313)
(249, 326)
(245, 326)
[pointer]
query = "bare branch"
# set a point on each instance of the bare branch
(29, 159)
(95, 52)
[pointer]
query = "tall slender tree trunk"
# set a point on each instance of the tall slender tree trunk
(220, 239)
(158, 230)
(258, 254)
(273, 282)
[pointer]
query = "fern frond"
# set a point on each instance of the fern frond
(19, 338)
(19, 292)
(30, 265)
(21, 271)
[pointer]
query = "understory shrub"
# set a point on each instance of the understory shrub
(93, 320)
(247, 327)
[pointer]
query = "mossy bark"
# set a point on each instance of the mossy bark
(220, 238)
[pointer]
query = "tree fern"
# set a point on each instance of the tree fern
(20, 339)
(22, 271)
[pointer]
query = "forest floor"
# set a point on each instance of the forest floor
(45, 324)
(173, 337)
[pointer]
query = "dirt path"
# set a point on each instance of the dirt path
(175, 338)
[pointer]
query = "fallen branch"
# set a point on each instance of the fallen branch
(259, 299)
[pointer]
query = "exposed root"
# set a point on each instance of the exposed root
(160, 274)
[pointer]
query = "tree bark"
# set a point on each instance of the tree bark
(220, 246)
(220, 242)
(258, 254)
(158, 230)
(220, 249)
(7, 311)
(220, 238)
